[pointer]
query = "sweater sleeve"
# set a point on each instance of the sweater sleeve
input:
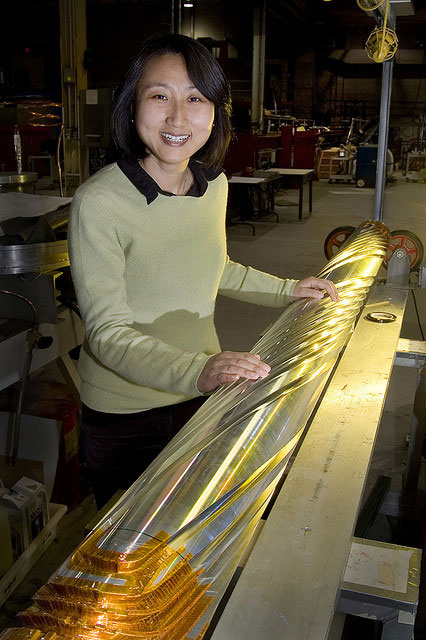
(251, 285)
(98, 271)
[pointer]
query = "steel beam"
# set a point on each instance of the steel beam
(258, 67)
(383, 139)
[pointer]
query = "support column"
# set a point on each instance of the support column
(258, 72)
(176, 16)
(74, 79)
(383, 139)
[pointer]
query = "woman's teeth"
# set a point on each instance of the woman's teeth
(169, 136)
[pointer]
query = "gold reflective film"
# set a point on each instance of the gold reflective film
(158, 565)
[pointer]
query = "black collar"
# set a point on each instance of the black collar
(147, 186)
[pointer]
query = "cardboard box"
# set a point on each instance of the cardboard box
(27, 509)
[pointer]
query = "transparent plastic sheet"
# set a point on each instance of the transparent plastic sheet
(157, 566)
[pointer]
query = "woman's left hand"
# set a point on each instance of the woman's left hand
(315, 288)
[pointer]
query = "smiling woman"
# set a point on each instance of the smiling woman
(174, 120)
(202, 73)
(148, 266)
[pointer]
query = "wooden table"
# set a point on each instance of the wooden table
(301, 176)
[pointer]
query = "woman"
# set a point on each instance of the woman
(148, 257)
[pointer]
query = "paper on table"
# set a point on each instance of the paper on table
(380, 567)
(14, 204)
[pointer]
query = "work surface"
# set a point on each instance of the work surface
(290, 172)
(289, 585)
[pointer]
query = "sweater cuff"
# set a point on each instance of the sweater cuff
(202, 361)
(289, 287)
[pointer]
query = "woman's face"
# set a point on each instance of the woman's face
(172, 117)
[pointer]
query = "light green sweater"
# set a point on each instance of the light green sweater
(147, 277)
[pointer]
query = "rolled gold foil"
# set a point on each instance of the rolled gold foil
(158, 564)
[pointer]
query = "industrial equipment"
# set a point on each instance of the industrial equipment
(399, 239)
(357, 164)
(345, 161)
(366, 162)
(32, 250)
(40, 115)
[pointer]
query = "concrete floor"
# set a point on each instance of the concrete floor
(288, 249)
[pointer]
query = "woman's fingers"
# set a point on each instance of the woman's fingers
(328, 286)
(314, 288)
(230, 366)
(244, 364)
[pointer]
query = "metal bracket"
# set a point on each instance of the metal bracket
(398, 268)
(422, 277)
(381, 582)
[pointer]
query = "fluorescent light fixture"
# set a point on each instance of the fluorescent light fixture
(188, 4)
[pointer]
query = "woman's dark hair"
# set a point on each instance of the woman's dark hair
(203, 71)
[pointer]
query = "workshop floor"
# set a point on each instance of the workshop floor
(288, 249)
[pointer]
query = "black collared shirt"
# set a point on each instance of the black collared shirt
(147, 186)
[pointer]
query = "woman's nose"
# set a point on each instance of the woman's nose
(176, 115)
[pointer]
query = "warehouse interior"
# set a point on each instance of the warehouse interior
(325, 137)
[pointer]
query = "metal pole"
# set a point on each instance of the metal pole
(383, 139)
(192, 33)
(258, 65)
(262, 59)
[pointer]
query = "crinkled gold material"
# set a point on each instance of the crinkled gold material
(77, 607)
(24, 633)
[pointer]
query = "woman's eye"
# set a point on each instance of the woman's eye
(194, 99)
(158, 96)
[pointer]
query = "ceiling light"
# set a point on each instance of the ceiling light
(188, 4)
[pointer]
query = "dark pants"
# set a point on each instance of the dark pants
(118, 447)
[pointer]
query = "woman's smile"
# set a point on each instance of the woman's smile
(169, 138)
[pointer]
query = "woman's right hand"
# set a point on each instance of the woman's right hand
(230, 366)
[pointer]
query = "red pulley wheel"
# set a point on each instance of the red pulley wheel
(335, 239)
(402, 239)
